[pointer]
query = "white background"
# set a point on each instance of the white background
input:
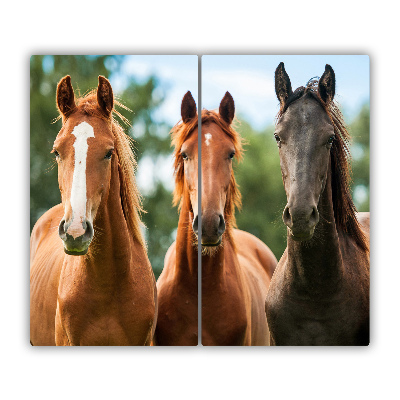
(182, 27)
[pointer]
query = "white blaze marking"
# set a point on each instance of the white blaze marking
(208, 138)
(82, 132)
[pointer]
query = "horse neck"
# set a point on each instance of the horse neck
(186, 246)
(214, 265)
(114, 250)
(316, 265)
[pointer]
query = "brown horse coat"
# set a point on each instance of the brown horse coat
(236, 266)
(234, 284)
(104, 295)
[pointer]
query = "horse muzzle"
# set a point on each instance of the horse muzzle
(301, 221)
(212, 229)
(76, 245)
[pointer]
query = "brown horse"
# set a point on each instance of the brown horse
(91, 280)
(236, 266)
(177, 285)
(319, 294)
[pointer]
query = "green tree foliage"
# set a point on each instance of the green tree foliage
(359, 131)
(152, 140)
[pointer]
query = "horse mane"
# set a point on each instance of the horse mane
(343, 205)
(131, 199)
(180, 133)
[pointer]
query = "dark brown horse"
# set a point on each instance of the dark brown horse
(236, 266)
(91, 280)
(319, 294)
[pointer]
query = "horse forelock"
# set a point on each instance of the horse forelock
(343, 205)
(131, 199)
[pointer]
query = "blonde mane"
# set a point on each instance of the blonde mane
(130, 196)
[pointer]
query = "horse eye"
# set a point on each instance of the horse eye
(331, 139)
(109, 154)
(56, 153)
(184, 156)
(278, 140)
(232, 155)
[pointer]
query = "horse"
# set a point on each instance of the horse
(236, 266)
(91, 282)
(319, 294)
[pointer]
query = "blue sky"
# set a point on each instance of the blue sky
(249, 78)
(176, 73)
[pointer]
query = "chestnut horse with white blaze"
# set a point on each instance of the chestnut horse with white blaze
(236, 266)
(319, 294)
(91, 280)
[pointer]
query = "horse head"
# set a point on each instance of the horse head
(219, 145)
(84, 150)
(217, 153)
(305, 135)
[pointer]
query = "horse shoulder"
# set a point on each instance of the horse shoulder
(46, 226)
(47, 256)
(177, 307)
(356, 263)
(363, 219)
(169, 266)
(277, 291)
(170, 256)
(256, 251)
(258, 264)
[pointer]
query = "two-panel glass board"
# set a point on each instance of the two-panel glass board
(220, 200)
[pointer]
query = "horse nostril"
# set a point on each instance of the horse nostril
(287, 218)
(87, 225)
(61, 229)
(195, 225)
(314, 218)
(221, 226)
(89, 230)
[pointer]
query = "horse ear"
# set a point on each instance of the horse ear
(283, 87)
(65, 96)
(105, 96)
(188, 107)
(326, 84)
(227, 108)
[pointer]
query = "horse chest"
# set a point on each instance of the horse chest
(177, 326)
(313, 321)
(225, 317)
(225, 333)
(294, 325)
(87, 315)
